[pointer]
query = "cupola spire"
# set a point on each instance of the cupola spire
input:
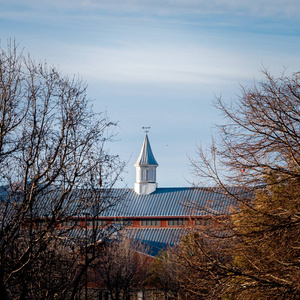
(146, 166)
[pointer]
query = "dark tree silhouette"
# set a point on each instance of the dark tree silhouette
(51, 146)
(258, 151)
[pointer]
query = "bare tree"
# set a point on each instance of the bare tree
(52, 156)
(258, 150)
(122, 267)
(165, 274)
(194, 269)
(50, 276)
(261, 135)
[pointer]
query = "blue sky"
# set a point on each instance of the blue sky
(159, 63)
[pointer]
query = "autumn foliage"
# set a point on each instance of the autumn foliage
(257, 256)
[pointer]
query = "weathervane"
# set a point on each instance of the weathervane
(146, 129)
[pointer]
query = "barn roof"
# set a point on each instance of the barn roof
(180, 202)
(125, 203)
(154, 239)
(157, 239)
(164, 202)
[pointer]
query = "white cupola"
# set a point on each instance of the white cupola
(145, 170)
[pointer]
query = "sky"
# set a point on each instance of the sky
(159, 63)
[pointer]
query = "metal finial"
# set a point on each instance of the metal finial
(146, 129)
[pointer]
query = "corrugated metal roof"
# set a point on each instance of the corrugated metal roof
(157, 239)
(146, 156)
(154, 239)
(181, 202)
(164, 202)
(169, 236)
(125, 203)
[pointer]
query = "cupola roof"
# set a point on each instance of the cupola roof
(146, 157)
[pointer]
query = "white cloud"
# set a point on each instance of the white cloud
(129, 50)
(281, 8)
(185, 64)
